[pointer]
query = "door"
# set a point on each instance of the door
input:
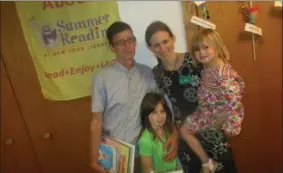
(17, 152)
(258, 149)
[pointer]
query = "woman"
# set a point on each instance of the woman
(178, 75)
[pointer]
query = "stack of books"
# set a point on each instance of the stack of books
(116, 156)
(119, 157)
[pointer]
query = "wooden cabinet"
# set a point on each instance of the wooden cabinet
(17, 151)
(258, 149)
(59, 131)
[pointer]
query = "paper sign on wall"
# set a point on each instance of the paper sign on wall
(198, 3)
(252, 28)
(203, 23)
(277, 3)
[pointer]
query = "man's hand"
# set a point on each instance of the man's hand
(171, 145)
(97, 168)
(96, 127)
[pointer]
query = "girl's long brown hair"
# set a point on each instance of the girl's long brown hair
(149, 103)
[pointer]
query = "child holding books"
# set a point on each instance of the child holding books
(157, 126)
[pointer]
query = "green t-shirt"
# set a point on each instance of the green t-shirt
(155, 148)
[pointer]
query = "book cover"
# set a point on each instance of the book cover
(107, 158)
(131, 156)
(123, 155)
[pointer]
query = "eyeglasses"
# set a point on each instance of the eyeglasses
(122, 42)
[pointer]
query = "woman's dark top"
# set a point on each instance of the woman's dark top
(180, 86)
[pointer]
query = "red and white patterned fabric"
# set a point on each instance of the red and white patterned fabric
(221, 90)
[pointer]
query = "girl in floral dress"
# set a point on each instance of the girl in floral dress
(221, 90)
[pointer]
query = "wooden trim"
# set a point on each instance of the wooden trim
(189, 9)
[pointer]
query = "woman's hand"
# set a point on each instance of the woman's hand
(185, 129)
(206, 170)
(171, 145)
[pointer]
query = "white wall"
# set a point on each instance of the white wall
(139, 14)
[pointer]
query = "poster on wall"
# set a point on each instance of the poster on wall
(67, 42)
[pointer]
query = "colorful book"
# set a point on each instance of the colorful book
(122, 158)
(107, 157)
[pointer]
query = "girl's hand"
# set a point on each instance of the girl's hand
(206, 170)
(221, 118)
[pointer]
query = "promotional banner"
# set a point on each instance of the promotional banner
(67, 42)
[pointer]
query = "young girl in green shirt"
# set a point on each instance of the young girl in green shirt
(157, 126)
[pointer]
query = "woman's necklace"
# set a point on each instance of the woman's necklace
(174, 64)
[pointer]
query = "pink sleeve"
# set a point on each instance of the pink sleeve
(232, 90)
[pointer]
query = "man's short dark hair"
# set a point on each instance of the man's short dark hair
(116, 28)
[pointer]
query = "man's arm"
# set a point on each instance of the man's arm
(98, 103)
(96, 128)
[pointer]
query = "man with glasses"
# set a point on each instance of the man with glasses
(117, 94)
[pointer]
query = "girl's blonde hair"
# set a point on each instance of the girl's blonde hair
(210, 38)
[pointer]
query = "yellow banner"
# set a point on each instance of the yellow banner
(68, 44)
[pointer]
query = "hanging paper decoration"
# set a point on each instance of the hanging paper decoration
(198, 3)
(252, 14)
(203, 22)
(277, 3)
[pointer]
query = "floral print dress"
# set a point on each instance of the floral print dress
(181, 93)
(221, 90)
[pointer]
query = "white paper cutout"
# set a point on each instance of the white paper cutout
(277, 3)
(253, 29)
(203, 23)
(198, 3)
